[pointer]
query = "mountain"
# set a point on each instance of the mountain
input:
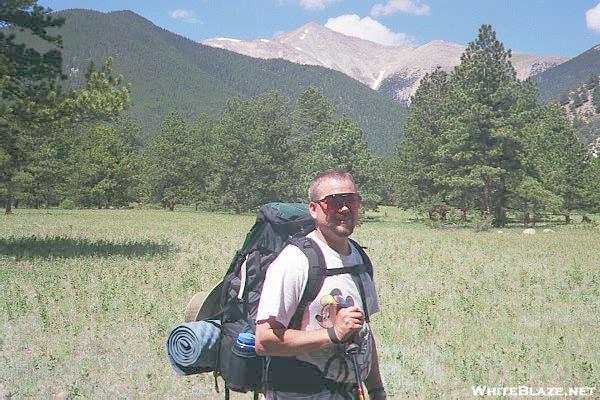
(575, 85)
(393, 70)
(168, 72)
(565, 77)
(582, 105)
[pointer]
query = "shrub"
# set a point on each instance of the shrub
(67, 204)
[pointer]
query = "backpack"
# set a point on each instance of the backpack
(235, 300)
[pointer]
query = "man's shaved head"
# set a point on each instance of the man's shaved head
(314, 193)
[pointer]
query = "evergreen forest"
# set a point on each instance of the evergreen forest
(168, 72)
(479, 144)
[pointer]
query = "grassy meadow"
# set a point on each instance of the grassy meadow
(88, 297)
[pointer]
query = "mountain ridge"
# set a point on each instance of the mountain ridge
(170, 72)
(558, 80)
(398, 69)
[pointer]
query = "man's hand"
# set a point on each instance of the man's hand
(347, 321)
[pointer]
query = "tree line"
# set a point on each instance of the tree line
(259, 151)
(478, 143)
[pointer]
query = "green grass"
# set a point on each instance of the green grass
(88, 297)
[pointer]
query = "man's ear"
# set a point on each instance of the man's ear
(312, 209)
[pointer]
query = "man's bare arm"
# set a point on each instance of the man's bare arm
(274, 339)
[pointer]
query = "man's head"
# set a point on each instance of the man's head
(334, 203)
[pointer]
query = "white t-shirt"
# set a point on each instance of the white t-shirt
(282, 290)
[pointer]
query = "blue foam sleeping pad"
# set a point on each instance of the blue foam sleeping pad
(192, 346)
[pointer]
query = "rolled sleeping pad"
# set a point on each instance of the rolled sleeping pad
(192, 346)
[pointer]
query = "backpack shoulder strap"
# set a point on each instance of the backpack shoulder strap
(356, 277)
(316, 276)
(364, 256)
(317, 271)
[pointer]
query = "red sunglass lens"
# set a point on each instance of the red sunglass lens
(337, 201)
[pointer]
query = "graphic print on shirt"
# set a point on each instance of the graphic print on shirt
(331, 303)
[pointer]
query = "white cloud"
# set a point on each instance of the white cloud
(311, 5)
(187, 16)
(403, 6)
(315, 4)
(592, 18)
(366, 28)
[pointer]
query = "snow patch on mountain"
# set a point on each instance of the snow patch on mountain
(377, 82)
(229, 40)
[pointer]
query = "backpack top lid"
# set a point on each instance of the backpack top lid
(275, 224)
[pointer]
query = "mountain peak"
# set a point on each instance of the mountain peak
(366, 61)
(125, 13)
(312, 25)
(306, 30)
(127, 16)
(195, 79)
(439, 42)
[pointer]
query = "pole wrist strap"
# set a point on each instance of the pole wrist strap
(332, 336)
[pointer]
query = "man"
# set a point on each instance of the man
(320, 368)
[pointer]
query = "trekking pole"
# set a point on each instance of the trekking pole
(351, 350)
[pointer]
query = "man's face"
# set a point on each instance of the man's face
(337, 211)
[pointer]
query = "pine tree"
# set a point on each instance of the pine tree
(596, 99)
(34, 103)
(42, 181)
(592, 82)
(418, 165)
(577, 102)
(170, 164)
(591, 185)
(583, 96)
(312, 112)
(311, 117)
(563, 100)
(556, 159)
(203, 142)
(27, 79)
(253, 164)
(105, 164)
(480, 152)
(320, 142)
(341, 145)
(463, 145)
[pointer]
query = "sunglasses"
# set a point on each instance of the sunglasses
(334, 202)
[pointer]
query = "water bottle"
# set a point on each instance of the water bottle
(246, 366)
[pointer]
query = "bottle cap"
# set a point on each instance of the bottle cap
(246, 339)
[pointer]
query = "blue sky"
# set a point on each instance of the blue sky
(540, 27)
